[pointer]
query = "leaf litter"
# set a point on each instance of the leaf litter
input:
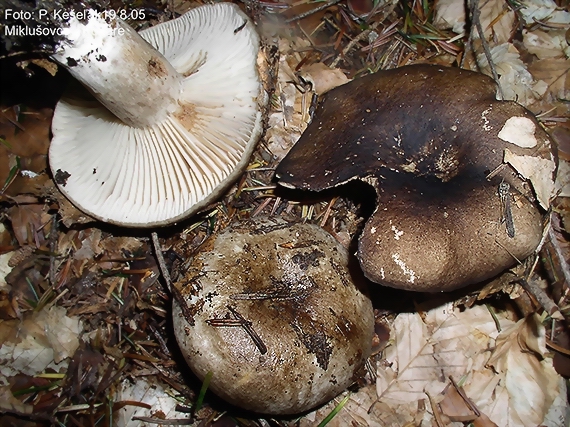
(84, 319)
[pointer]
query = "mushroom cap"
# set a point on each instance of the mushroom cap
(160, 173)
(427, 138)
(292, 284)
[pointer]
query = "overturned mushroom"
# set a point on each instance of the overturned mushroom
(272, 311)
(176, 116)
(431, 141)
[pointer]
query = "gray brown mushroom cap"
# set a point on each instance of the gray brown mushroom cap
(272, 311)
(431, 141)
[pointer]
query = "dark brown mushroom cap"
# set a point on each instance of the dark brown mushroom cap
(310, 326)
(427, 138)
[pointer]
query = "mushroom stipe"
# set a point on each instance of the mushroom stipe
(427, 138)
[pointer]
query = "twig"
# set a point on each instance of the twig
(436, 411)
(328, 211)
(310, 12)
(475, 18)
(161, 262)
(353, 43)
(464, 396)
(554, 242)
(160, 339)
(164, 422)
(52, 249)
(557, 347)
(533, 288)
(239, 321)
(262, 206)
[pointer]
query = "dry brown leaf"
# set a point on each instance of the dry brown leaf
(30, 223)
(539, 171)
(454, 406)
(497, 18)
(289, 116)
(555, 73)
(446, 342)
(26, 136)
(562, 184)
(543, 10)
(546, 44)
(50, 66)
(8, 403)
(450, 14)
(5, 269)
(114, 247)
(530, 382)
(44, 339)
(322, 77)
(516, 82)
(88, 244)
(425, 352)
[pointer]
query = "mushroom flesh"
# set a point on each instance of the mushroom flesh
(431, 140)
(273, 312)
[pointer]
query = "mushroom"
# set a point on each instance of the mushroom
(176, 114)
(272, 311)
(430, 140)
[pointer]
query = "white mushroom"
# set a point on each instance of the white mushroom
(182, 114)
(274, 313)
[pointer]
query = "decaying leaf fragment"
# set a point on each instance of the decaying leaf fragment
(496, 18)
(290, 107)
(323, 78)
(539, 171)
(44, 339)
(562, 183)
(529, 380)
(517, 83)
(444, 342)
(9, 403)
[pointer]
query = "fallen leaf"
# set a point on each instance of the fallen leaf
(555, 73)
(496, 18)
(444, 342)
(543, 10)
(25, 140)
(290, 112)
(562, 184)
(516, 82)
(450, 14)
(539, 171)
(8, 403)
(44, 339)
(546, 44)
(322, 77)
(530, 382)
(454, 406)
(5, 269)
(30, 223)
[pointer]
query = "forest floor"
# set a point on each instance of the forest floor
(85, 320)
